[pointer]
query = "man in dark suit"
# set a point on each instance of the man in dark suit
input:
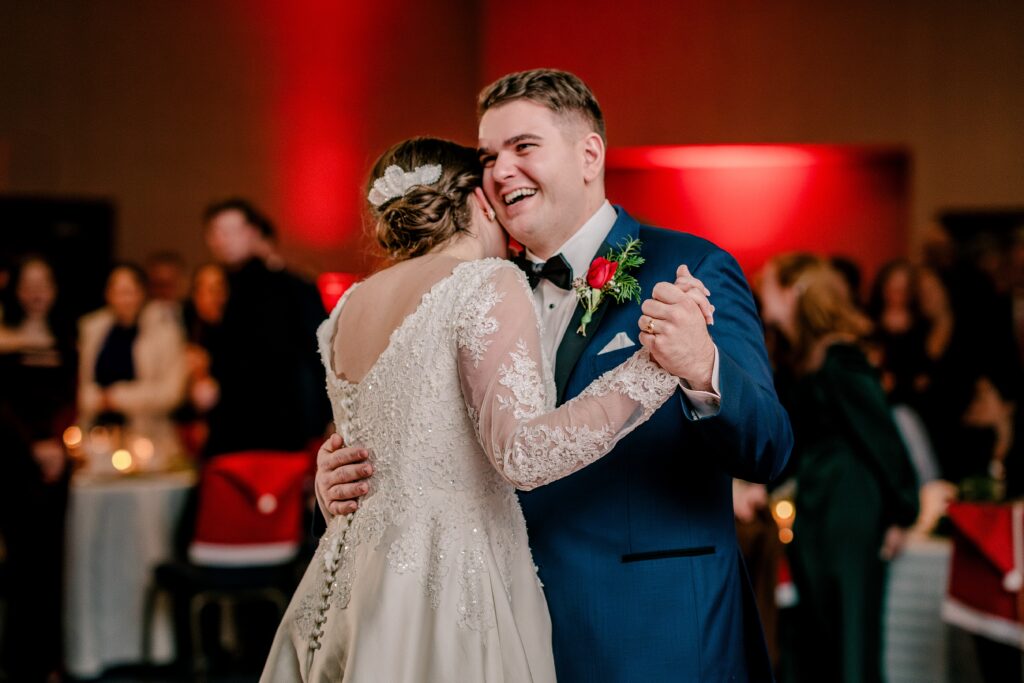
(266, 363)
(638, 551)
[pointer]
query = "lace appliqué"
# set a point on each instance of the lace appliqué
(543, 453)
(639, 378)
(522, 377)
(475, 324)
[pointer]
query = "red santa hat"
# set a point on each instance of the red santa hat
(250, 508)
(987, 571)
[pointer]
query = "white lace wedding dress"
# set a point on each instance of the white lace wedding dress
(432, 578)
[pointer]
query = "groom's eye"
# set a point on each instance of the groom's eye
(487, 161)
(523, 146)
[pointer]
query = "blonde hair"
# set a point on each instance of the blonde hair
(823, 305)
(426, 216)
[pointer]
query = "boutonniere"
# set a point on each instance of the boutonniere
(608, 276)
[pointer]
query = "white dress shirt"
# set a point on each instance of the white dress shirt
(558, 305)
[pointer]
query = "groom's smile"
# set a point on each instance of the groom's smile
(518, 195)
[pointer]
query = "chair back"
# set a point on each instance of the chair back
(250, 508)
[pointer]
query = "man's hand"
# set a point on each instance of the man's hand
(696, 290)
(893, 543)
(49, 455)
(747, 499)
(674, 328)
(341, 476)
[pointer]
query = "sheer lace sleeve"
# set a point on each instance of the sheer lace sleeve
(510, 394)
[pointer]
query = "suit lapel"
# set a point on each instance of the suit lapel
(573, 344)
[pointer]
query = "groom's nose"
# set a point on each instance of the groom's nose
(504, 167)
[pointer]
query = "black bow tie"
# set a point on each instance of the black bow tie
(555, 270)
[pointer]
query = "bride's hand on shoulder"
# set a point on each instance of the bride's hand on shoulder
(342, 475)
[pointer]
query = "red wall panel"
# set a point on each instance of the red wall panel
(759, 200)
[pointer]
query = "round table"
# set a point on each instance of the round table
(118, 529)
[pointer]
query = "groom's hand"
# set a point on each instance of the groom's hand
(680, 342)
(341, 476)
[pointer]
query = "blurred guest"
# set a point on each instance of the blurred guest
(204, 310)
(758, 536)
(899, 329)
(37, 396)
(996, 420)
(132, 369)
(1016, 281)
(855, 484)
(203, 314)
(5, 279)
(165, 273)
(955, 359)
(966, 271)
(851, 274)
(271, 313)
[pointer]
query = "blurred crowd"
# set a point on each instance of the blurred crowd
(224, 363)
(901, 402)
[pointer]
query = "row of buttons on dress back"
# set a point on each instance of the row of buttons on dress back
(332, 560)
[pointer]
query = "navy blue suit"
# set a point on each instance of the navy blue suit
(638, 551)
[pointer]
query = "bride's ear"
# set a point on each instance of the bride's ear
(485, 205)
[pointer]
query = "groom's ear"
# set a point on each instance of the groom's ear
(593, 157)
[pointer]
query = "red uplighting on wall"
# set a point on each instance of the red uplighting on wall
(333, 285)
(320, 49)
(759, 200)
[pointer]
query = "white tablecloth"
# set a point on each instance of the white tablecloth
(919, 646)
(118, 530)
(915, 636)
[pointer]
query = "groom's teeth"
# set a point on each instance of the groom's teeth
(515, 195)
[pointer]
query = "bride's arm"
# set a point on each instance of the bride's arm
(510, 395)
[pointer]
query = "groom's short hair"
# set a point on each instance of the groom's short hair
(560, 91)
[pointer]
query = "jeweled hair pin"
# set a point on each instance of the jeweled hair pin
(396, 182)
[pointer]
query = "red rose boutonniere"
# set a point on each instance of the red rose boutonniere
(607, 276)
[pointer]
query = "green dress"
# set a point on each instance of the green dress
(854, 480)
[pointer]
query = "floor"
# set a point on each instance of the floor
(166, 675)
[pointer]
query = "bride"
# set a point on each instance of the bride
(435, 366)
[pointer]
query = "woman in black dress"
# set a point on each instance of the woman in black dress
(37, 398)
(855, 483)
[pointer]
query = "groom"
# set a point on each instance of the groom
(637, 552)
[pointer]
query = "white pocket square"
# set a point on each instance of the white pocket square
(619, 341)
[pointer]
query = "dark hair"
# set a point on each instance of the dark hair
(850, 271)
(253, 216)
(135, 270)
(876, 298)
(60, 324)
(426, 215)
(560, 91)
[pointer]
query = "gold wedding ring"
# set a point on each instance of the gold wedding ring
(650, 326)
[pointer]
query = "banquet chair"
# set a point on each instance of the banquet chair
(247, 531)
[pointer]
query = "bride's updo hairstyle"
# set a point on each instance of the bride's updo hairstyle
(418, 207)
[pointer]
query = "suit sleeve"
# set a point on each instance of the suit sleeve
(751, 434)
